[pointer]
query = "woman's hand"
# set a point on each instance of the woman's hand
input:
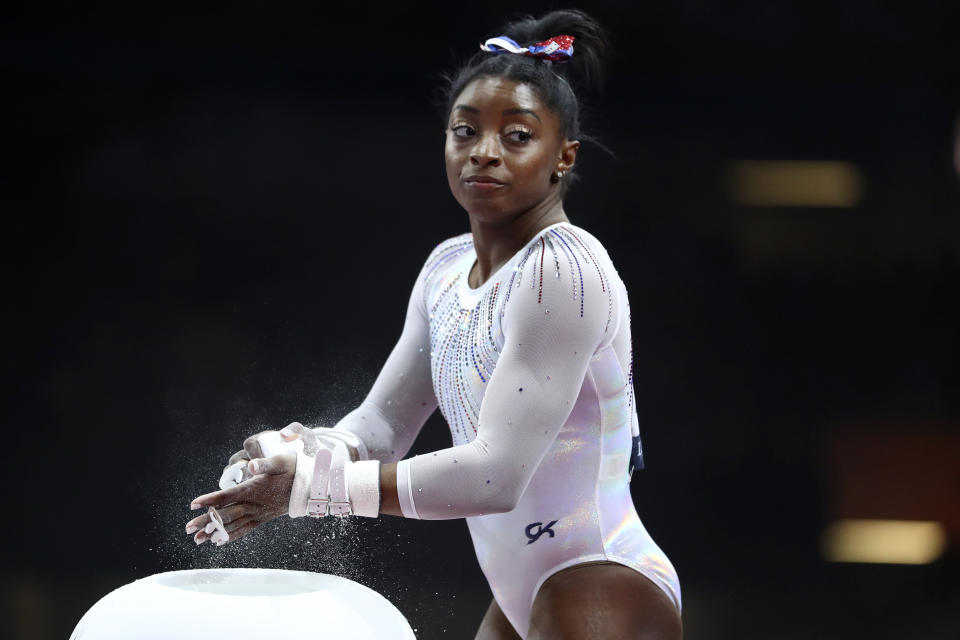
(237, 470)
(265, 496)
(252, 449)
(318, 438)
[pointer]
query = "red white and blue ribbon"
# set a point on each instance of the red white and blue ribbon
(555, 49)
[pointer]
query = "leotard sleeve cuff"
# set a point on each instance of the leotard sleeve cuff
(405, 490)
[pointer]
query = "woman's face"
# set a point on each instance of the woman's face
(502, 146)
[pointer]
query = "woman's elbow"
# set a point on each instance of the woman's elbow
(506, 498)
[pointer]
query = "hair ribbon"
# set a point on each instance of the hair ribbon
(556, 48)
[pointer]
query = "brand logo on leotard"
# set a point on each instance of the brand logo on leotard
(540, 531)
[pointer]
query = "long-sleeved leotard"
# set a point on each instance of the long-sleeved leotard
(532, 371)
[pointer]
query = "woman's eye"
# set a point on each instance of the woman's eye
(462, 131)
(519, 135)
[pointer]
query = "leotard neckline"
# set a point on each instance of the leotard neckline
(470, 258)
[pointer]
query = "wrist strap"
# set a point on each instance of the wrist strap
(338, 487)
(363, 487)
(302, 479)
(318, 504)
(339, 500)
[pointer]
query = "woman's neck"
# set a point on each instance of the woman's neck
(495, 243)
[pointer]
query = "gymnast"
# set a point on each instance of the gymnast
(520, 332)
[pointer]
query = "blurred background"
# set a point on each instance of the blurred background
(192, 197)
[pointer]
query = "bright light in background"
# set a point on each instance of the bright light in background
(795, 183)
(884, 541)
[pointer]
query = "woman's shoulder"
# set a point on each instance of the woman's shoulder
(583, 244)
(446, 250)
(564, 279)
(454, 244)
(581, 235)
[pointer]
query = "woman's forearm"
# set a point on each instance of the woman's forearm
(389, 500)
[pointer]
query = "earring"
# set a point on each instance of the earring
(559, 174)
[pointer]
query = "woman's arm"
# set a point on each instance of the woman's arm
(549, 340)
(401, 399)
(389, 498)
(386, 424)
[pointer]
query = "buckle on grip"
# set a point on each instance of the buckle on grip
(318, 507)
(340, 509)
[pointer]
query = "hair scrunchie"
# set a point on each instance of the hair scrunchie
(555, 49)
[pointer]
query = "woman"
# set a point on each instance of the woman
(520, 332)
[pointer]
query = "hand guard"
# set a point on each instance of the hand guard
(337, 485)
(321, 437)
(271, 444)
(216, 528)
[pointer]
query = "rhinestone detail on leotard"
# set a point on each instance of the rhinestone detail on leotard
(465, 334)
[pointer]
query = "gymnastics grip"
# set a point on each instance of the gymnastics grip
(271, 444)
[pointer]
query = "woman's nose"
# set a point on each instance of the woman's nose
(486, 153)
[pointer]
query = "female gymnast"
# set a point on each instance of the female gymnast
(520, 332)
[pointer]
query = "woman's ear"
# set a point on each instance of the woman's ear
(568, 155)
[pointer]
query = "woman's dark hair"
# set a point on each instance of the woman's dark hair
(556, 83)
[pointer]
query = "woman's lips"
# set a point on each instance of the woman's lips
(483, 183)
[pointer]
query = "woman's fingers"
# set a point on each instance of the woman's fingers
(222, 497)
(252, 446)
(253, 489)
(263, 497)
(238, 510)
(237, 457)
(240, 521)
(293, 431)
(235, 530)
(283, 463)
(197, 523)
(262, 467)
(237, 524)
(228, 514)
(244, 529)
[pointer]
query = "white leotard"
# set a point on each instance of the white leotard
(532, 371)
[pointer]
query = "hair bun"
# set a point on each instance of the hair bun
(590, 47)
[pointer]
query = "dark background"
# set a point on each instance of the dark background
(212, 218)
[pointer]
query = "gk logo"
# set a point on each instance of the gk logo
(540, 531)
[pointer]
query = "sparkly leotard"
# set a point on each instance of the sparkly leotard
(532, 371)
